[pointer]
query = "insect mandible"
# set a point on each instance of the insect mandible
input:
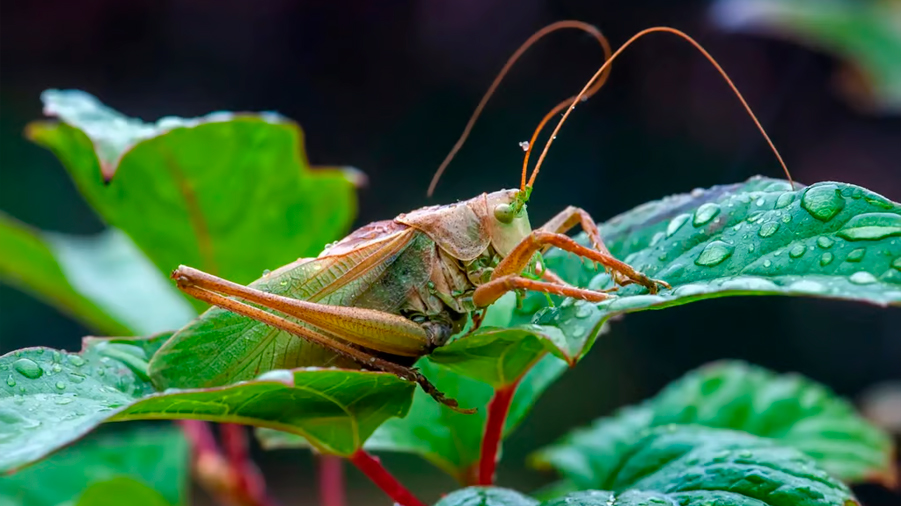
(394, 290)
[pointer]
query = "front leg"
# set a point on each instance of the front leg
(538, 240)
(567, 219)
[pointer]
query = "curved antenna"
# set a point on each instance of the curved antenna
(553, 27)
(607, 63)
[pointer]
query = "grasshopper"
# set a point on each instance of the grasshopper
(394, 290)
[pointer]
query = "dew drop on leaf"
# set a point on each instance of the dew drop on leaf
(824, 242)
(76, 360)
(856, 255)
(823, 202)
(28, 368)
(897, 263)
(714, 254)
(871, 227)
(60, 385)
(826, 259)
(56, 368)
(768, 229)
(862, 278)
(705, 213)
(676, 223)
(797, 251)
(767, 264)
(11, 381)
(784, 200)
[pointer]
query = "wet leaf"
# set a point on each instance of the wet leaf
(692, 465)
(486, 496)
(830, 240)
(865, 34)
(787, 408)
(50, 398)
(213, 185)
(103, 280)
(156, 457)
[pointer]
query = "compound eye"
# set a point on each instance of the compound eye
(504, 213)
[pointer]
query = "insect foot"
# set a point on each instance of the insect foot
(436, 394)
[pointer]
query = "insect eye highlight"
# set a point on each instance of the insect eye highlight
(504, 213)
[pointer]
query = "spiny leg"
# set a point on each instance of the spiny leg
(363, 358)
(565, 220)
(521, 255)
(489, 292)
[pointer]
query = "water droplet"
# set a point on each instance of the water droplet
(714, 254)
(676, 223)
(583, 310)
(807, 286)
(797, 251)
(76, 360)
(56, 368)
(738, 226)
(11, 381)
(56, 356)
(871, 227)
(897, 263)
(60, 385)
(524, 145)
(76, 378)
(824, 242)
(754, 217)
(28, 368)
(760, 202)
(659, 236)
(786, 218)
(785, 199)
(767, 264)
(266, 272)
(767, 229)
(823, 201)
(750, 248)
(862, 278)
(705, 213)
(826, 259)
(63, 400)
(856, 255)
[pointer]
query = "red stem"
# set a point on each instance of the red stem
(373, 469)
(331, 481)
(494, 427)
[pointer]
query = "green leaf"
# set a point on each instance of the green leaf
(694, 466)
(49, 399)
(212, 185)
(486, 496)
(113, 491)
(830, 240)
(789, 408)
(448, 439)
(866, 34)
(29, 264)
(156, 458)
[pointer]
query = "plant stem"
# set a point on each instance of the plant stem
(331, 481)
(494, 428)
(232, 478)
(373, 469)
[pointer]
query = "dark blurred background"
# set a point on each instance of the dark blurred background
(388, 86)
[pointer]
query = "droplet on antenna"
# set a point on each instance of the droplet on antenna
(524, 145)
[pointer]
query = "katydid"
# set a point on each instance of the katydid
(394, 290)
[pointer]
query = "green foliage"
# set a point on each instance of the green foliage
(693, 465)
(50, 399)
(156, 457)
(787, 408)
(199, 191)
(830, 240)
(486, 496)
(112, 492)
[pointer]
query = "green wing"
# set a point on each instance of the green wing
(376, 267)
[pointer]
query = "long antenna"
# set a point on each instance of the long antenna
(606, 65)
(590, 90)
